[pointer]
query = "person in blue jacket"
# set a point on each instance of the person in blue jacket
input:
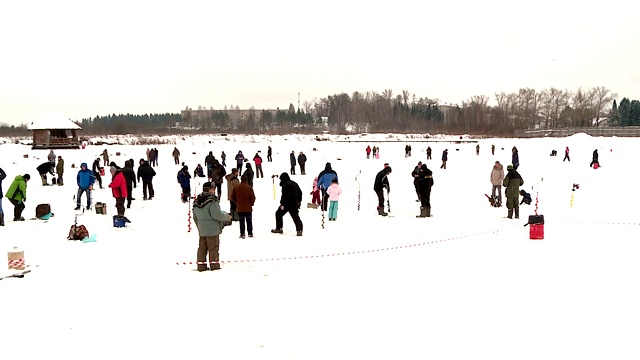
(526, 197)
(85, 180)
(325, 178)
(184, 178)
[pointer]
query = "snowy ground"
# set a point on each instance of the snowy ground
(465, 284)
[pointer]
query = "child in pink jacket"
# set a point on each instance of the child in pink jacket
(334, 192)
(315, 192)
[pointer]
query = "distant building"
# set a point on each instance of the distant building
(55, 132)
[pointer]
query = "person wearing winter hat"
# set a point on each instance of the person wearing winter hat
(85, 180)
(382, 182)
(232, 181)
(248, 172)
(325, 179)
(290, 201)
(184, 179)
(17, 195)
(210, 221)
(512, 182)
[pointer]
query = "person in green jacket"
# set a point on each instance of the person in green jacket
(210, 222)
(17, 195)
(60, 170)
(512, 183)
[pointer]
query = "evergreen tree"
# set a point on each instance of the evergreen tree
(634, 113)
(614, 116)
(623, 111)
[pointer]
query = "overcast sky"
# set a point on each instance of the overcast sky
(84, 58)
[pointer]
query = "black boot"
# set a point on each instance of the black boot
(517, 211)
(423, 212)
(510, 214)
(1, 219)
(381, 211)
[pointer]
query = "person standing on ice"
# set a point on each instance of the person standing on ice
(382, 182)
(428, 152)
(130, 179)
(245, 198)
(512, 182)
(85, 180)
(445, 157)
(566, 155)
(52, 157)
(368, 150)
(146, 174)
(184, 179)
(515, 158)
(302, 160)
(258, 161)
(176, 155)
(210, 222)
(425, 182)
(334, 192)
(415, 174)
(96, 171)
(239, 161)
(315, 194)
(290, 201)
(497, 176)
(60, 170)
(292, 160)
(118, 189)
(223, 157)
(325, 178)
(208, 163)
(269, 153)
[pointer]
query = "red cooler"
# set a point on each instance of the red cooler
(536, 227)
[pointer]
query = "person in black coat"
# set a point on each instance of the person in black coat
(292, 160)
(269, 153)
(96, 171)
(302, 160)
(43, 169)
(248, 172)
(425, 182)
(290, 201)
(130, 180)
(445, 158)
(594, 160)
(146, 174)
(382, 182)
(415, 173)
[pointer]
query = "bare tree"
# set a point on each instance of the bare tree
(602, 98)
(405, 96)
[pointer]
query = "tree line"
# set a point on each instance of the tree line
(385, 112)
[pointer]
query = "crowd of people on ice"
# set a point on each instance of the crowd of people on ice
(207, 214)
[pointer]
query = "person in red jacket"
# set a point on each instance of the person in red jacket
(258, 160)
(119, 189)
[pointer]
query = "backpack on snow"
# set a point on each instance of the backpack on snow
(78, 232)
